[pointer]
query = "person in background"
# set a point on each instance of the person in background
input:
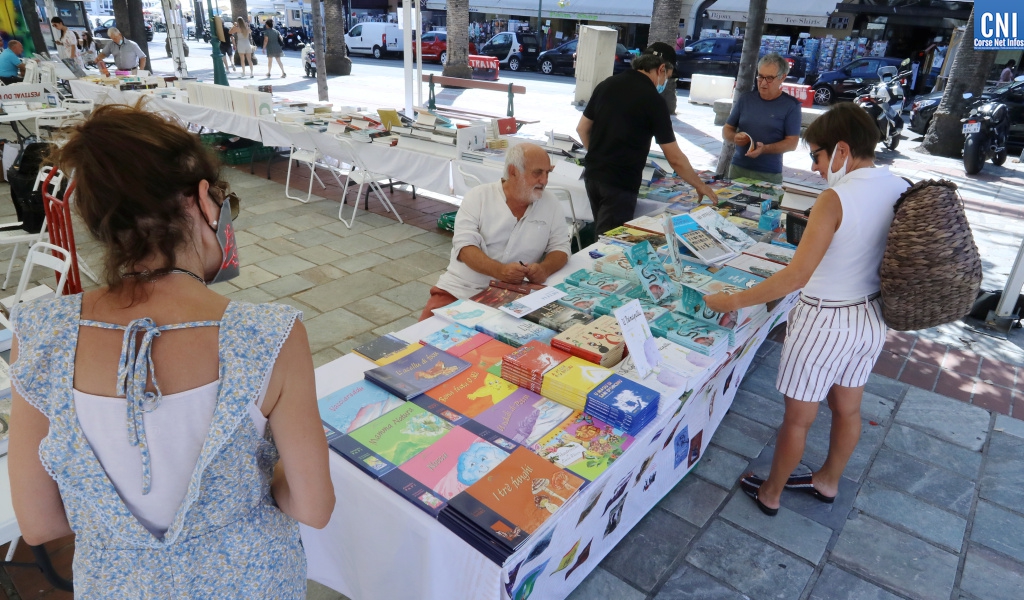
(836, 332)
(1007, 74)
(272, 46)
(87, 46)
(12, 68)
(226, 48)
(243, 46)
(126, 54)
(764, 124)
(67, 41)
(510, 230)
(624, 113)
(199, 494)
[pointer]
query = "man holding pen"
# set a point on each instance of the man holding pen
(510, 230)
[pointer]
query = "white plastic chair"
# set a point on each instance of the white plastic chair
(12, 234)
(82, 105)
(40, 254)
(304, 151)
(51, 124)
(344, 150)
(575, 225)
(470, 179)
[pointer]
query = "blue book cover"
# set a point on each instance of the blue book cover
(622, 399)
(579, 298)
(736, 277)
(355, 405)
(418, 372)
(515, 332)
(653, 278)
(699, 336)
(600, 282)
(450, 336)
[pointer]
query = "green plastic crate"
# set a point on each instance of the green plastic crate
(447, 221)
(214, 138)
(239, 156)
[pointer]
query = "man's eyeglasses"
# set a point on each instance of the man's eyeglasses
(814, 155)
(769, 79)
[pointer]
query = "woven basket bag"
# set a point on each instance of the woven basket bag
(931, 270)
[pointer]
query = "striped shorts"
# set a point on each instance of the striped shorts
(830, 343)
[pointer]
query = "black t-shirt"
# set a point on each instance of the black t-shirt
(627, 111)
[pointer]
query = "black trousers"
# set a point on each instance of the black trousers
(10, 80)
(612, 206)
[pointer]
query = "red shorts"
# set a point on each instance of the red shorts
(438, 298)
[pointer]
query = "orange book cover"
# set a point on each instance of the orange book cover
(487, 355)
(472, 392)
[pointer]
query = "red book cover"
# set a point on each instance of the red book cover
(487, 355)
(507, 126)
(535, 357)
(496, 296)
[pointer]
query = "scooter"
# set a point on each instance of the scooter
(884, 102)
(308, 59)
(292, 37)
(985, 130)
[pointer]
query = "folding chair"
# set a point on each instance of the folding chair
(51, 124)
(344, 151)
(304, 151)
(470, 179)
(43, 255)
(58, 218)
(575, 225)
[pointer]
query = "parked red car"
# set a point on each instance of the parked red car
(435, 46)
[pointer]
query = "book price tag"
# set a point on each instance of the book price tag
(638, 337)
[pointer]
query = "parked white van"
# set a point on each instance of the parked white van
(376, 39)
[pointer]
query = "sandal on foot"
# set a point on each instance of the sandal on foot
(751, 485)
(805, 484)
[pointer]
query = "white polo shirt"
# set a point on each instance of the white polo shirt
(485, 221)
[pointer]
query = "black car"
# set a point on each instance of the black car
(563, 59)
(514, 50)
(1011, 94)
(721, 56)
(843, 83)
(101, 31)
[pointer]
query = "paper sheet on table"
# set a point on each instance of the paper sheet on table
(531, 302)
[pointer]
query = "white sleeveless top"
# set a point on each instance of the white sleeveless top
(176, 431)
(849, 269)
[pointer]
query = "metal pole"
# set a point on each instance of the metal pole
(540, 5)
(220, 76)
(407, 54)
(1003, 316)
(419, 55)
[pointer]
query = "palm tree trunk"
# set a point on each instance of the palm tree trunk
(335, 60)
(665, 28)
(458, 40)
(319, 47)
(239, 9)
(748, 68)
(967, 75)
(128, 17)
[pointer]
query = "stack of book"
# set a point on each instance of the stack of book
(472, 391)
(488, 357)
(599, 342)
(514, 332)
(416, 373)
(527, 365)
(630, 236)
(386, 349)
(557, 317)
(466, 313)
(353, 406)
(570, 382)
(623, 404)
(616, 265)
(583, 444)
(700, 336)
(601, 282)
(524, 417)
(579, 298)
(456, 339)
(497, 514)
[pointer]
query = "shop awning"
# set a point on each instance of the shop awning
(958, 9)
(611, 11)
(801, 13)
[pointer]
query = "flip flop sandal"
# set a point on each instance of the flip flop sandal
(750, 486)
(804, 483)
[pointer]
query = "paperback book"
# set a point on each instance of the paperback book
(495, 296)
(456, 339)
(355, 405)
(653, 277)
(696, 335)
(617, 265)
(623, 404)
(583, 444)
(514, 332)
(416, 373)
(472, 391)
(630, 236)
(771, 252)
(558, 317)
(698, 241)
(600, 282)
(466, 312)
(391, 439)
(736, 277)
(579, 298)
(570, 382)
(600, 341)
(527, 365)
(755, 266)
(381, 347)
(524, 417)
(487, 355)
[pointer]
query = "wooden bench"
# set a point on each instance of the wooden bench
(458, 82)
(472, 115)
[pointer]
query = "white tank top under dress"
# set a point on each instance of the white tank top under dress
(836, 331)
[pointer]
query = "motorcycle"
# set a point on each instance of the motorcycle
(308, 59)
(985, 130)
(292, 38)
(884, 102)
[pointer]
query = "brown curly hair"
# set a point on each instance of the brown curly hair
(135, 173)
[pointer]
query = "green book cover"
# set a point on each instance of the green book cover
(402, 433)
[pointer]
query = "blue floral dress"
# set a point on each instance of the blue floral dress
(228, 538)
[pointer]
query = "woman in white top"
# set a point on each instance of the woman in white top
(836, 331)
(241, 33)
(67, 41)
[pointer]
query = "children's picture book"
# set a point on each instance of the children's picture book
(579, 298)
(465, 312)
(584, 445)
(755, 266)
(383, 346)
(628, 235)
(771, 252)
(693, 334)
(557, 317)
(391, 439)
(600, 282)
(524, 416)
(736, 277)
(513, 331)
(456, 335)
(702, 244)
(472, 391)
(616, 264)
(653, 277)
(390, 358)
(720, 227)
(355, 405)
(418, 372)
(487, 355)
(494, 296)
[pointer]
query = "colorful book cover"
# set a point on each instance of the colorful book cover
(720, 227)
(390, 440)
(454, 335)
(736, 277)
(623, 399)
(701, 243)
(472, 392)
(693, 334)
(355, 405)
(771, 252)
(616, 264)
(496, 296)
(524, 417)
(513, 331)
(465, 312)
(557, 317)
(584, 445)
(600, 282)
(579, 298)
(416, 373)
(576, 374)
(535, 357)
(653, 277)
(383, 346)
(631, 236)
(488, 354)
(390, 358)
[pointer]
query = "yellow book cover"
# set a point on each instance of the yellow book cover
(397, 355)
(575, 374)
(389, 118)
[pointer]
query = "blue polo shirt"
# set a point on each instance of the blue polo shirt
(767, 121)
(9, 62)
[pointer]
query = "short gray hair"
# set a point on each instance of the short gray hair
(515, 157)
(112, 30)
(775, 59)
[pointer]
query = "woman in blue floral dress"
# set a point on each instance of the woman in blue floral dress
(143, 411)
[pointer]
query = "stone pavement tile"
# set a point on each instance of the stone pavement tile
(317, 591)
(425, 261)
(286, 286)
(766, 348)
(693, 499)
(269, 230)
(999, 373)
(355, 244)
(251, 275)
(999, 529)
(919, 374)
(876, 408)
(742, 436)
(895, 559)
(899, 342)
(947, 419)
(954, 385)
(308, 312)
(271, 206)
(333, 327)
(322, 274)
(646, 553)
(396, 325)
(1002, 480)
(312, 237)
(1009, 426)
(886, 387)
(889, 365)
(836, 584)
(348, 289)
(354, 342)
(432, 239)
(377, 310)
(906, 512)
(752, 566)
(325, 356)
(253, 254)
(399, 271)
(244, 238)
(341, 230)
(223, 288)
(307, 221)
(761, 381)
(358, 262)
(961, 361)
(991, 576)
(444, 252)
(933, 450)
(927, 351)
(319, 255)
(432, 278)
(800, 535)
(395, 232)
(401, 249)
(992, 397)
(285, 265)
(411, 295)
(816, 449)
(690, 583)
(602, 584)
(254, 295)
(758, 408)
(721, 467)
(280, 246)
(934, 485)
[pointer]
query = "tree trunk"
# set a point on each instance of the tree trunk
(137, 25)
(336, 60)
(970, 68)
(458, 40)
(748, 68)
(665, 28)
(320, 47)
(239, 9)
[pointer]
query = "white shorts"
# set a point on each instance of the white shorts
(830, 343)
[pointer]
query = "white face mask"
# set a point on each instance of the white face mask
(835, 178)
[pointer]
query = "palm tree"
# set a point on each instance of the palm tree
(967, 75)
(336, 57)
(458, 40)
(129, 20)
(665, 28)
(318, 47)
(239, 9)
(748, 68)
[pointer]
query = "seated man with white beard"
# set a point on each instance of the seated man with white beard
(510, 230)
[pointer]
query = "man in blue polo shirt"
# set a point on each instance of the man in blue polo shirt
(11, 68)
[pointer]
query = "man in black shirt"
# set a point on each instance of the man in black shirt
(624, 113)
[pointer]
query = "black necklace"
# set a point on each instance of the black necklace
(147, 275)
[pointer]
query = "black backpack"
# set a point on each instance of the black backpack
(22, 177)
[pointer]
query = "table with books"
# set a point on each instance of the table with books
(480, 455)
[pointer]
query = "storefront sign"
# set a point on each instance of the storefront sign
(774, 19)
(574, 16)
(22, 92)
(998, 25)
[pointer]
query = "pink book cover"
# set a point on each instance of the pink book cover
(454, 462)
(469, 345)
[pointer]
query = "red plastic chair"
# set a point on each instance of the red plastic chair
(58, 219)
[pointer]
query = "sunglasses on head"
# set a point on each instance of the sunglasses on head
(219, 191)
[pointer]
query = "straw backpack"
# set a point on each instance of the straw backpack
(931, 270)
